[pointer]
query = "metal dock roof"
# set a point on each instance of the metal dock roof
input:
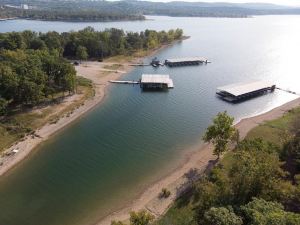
(157, 78)
(190, 59)
(242, 88)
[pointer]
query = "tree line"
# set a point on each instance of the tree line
(76, 15)
(257, 183)
(33, 66)
(132, 10)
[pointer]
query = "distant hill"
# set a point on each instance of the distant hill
(132, 10)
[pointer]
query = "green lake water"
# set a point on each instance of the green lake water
(105, 159)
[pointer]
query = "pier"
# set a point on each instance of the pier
(186, 61)
(124, 82)
(242, 91)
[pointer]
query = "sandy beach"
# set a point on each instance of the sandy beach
(200, 159)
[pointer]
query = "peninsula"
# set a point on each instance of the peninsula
(34, 108)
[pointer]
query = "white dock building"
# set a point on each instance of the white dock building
(241, 91)
(156, 81)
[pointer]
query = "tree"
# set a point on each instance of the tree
(140, 218)
(137, 218)
(220, 133)
(261, 212)
(3, 106)
(255, 171)
(222, 216)
(81, 53)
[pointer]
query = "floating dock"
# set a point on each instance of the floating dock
(186, 61)
(156, 81)
(150, 82)
(124, 82)
(242, 91)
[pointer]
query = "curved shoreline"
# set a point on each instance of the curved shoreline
(26, 146)
(90, 70)
(200, 159)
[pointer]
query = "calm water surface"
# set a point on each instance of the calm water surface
(109, 156)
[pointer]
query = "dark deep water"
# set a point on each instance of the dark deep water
(109, 156)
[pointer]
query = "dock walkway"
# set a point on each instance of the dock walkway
(124, 82)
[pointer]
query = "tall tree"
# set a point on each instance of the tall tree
(81, 53)
(220, 133)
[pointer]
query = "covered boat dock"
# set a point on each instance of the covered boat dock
(156, 81)
(242, 91)
(185, 61)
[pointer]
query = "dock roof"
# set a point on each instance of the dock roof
(241, 88)
(157, 79)
(189, 59)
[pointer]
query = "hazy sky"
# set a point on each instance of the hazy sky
(281, 2)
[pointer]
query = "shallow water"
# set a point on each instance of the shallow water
(109, 156)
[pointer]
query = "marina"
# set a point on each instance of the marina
(245, 90)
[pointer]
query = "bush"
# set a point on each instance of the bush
(165, 193)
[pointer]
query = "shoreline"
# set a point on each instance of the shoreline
(96, 73)
(200, 159)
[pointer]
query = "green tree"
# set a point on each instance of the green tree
(222, 216)
(141, 218)
(81, 53)
(220, 133)
(261, 212)
(8, 82)
(255, 171)
(3, 106)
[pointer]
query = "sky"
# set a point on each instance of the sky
(279, 2)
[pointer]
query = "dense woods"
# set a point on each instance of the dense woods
(33, 65)
(256, 183)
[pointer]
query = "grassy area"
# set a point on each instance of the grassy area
(128, 58)
(113, 67)
(181, 213)
(25, 121)
(276, 131)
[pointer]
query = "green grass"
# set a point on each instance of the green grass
(276, 131)
(181, 213)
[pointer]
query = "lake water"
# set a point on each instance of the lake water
(103, 160)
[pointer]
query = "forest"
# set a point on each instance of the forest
(34, 66)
